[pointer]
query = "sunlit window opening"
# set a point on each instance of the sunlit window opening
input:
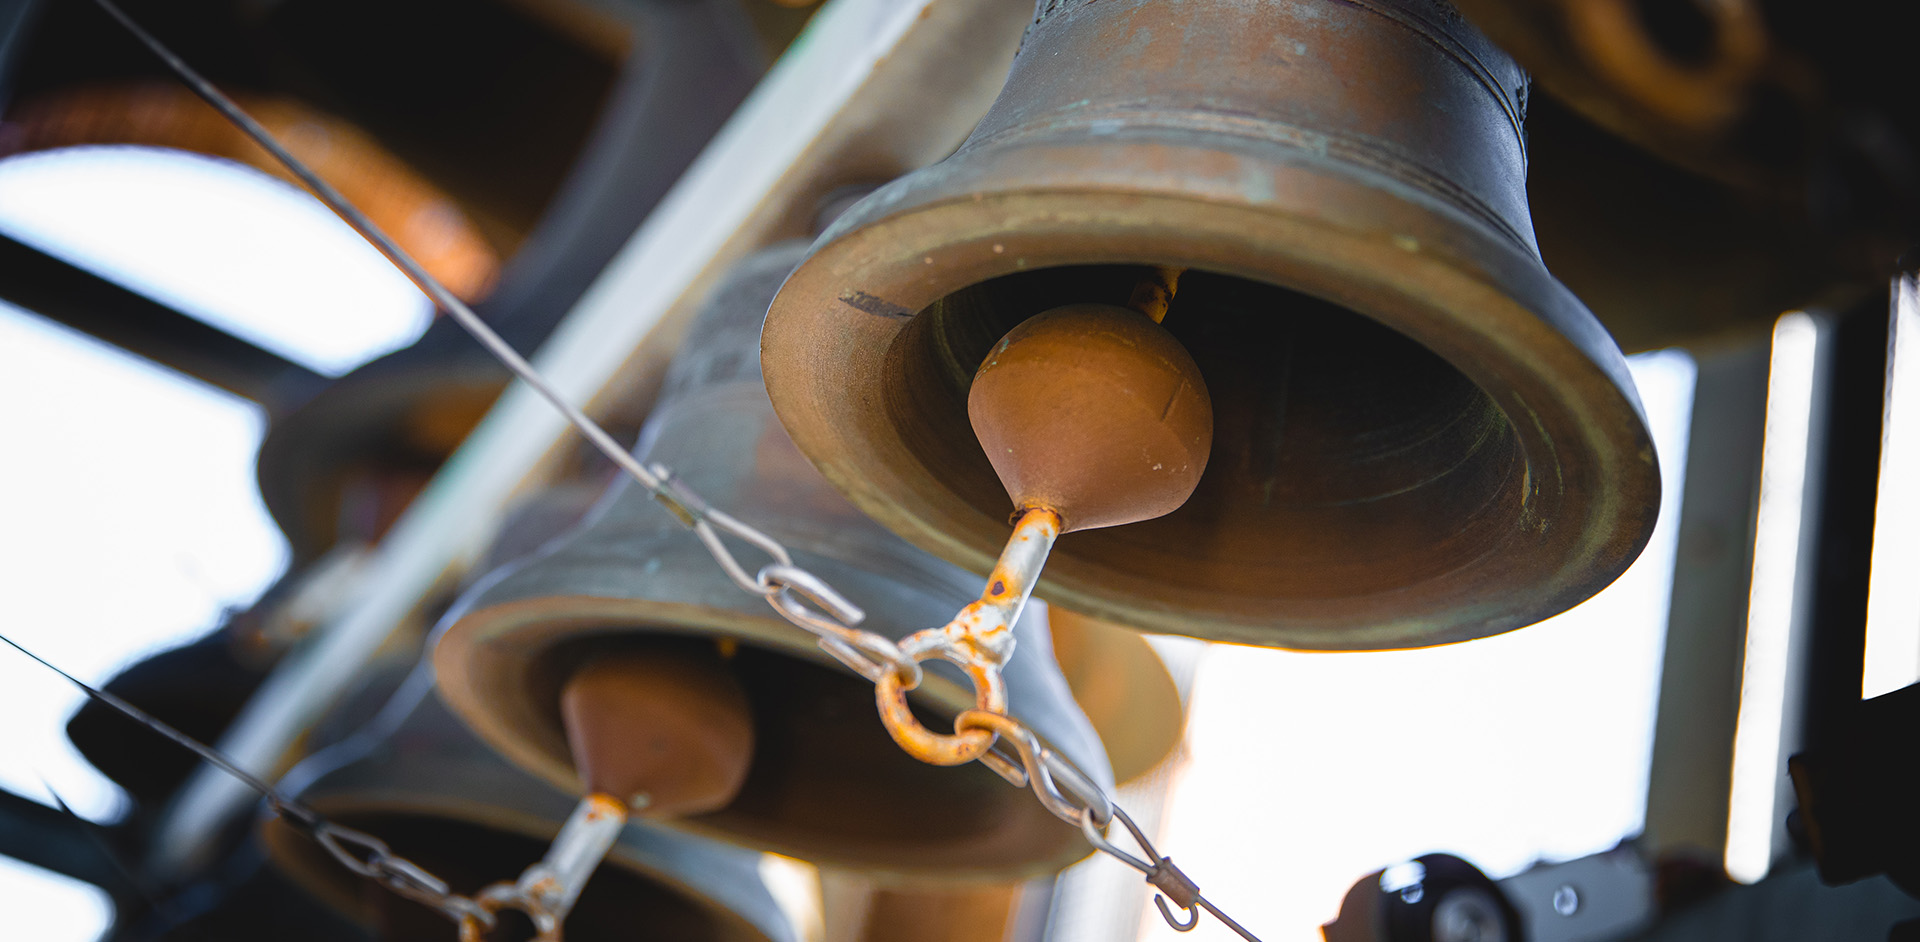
(48, 907)
(1893, 600)
(1308, 771)
(132, 516)
(1754, 834)
(225, 243)
(132, 523)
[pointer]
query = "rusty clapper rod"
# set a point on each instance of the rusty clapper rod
(547, 890)
(663, 730)
(1092, 416)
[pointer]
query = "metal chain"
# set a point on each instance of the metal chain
(814, 606)
(799, 596)
(370, 857)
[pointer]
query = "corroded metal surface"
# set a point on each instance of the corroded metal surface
(979, 640)
(826, 783)
(547, 891)
(1420, 437)
(421, 781)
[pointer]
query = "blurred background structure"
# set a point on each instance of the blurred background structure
(253, 478)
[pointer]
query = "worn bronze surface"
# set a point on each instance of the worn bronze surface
(1419, 436)
(666, 729)
(826, 783)
(1095, 412)
(419, 780)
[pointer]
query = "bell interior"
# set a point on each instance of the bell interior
(1347, 459)
(617, 903)
(826, 780)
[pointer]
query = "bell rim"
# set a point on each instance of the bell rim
(514, 633)
(824, 353)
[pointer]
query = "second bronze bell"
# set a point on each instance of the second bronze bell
(1418, 435)
(543, 651)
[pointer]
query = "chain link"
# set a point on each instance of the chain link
(799, 596)
(370, 857)
(811, 604)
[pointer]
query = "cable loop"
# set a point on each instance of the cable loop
(811, 604)
(337, 842)
(832, 612)
(708, 523)
(1041, 768)
(1170, 880)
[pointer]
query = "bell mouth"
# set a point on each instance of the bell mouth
(1419, 438)
(470, 854)
(1347, 459)
(825, 784)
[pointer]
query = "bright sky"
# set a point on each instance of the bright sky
(129, 508)
(1893, 603)
(243, 251)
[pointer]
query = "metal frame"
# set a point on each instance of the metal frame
(1690, 779)
(42, 284)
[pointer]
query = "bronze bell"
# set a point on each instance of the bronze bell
(416, 778)
(822, 780)
(1418, 435)
(1125, 689)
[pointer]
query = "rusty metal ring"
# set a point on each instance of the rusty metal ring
(957, 748)
(501, 896)
(1612, 38)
